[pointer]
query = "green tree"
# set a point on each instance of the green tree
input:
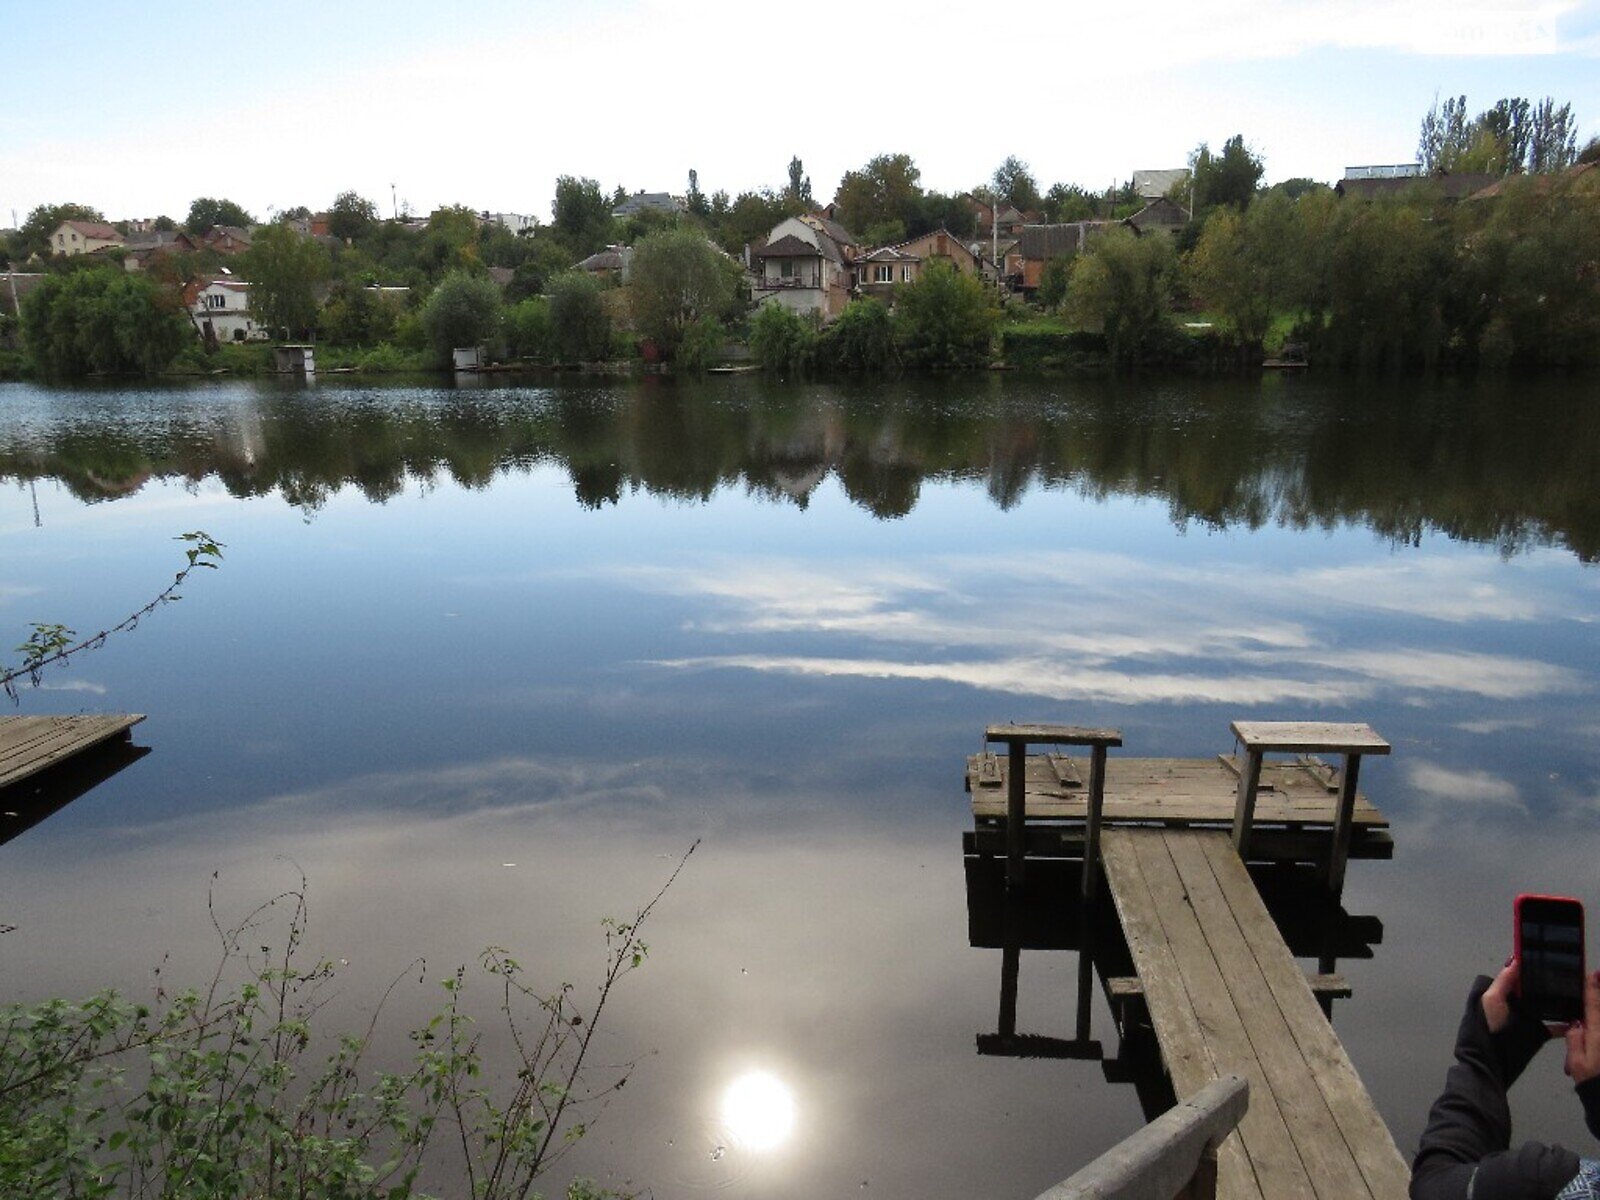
(1552, 137)
(1227, 178)
(1511, 135)
(102, 320)
(1385, 267)
(883, 195)
(781, 340)
(1446, 134)
(1246, 265)
(1015, 185)
(284, 270)
(464, 310)
(1123, 289)
(351, 216)
(694, 198)
(582, 216)
(1066, 202)
(798, 191)
(451, 240)
(750, 217)
(206, 213)
(677, 280)
(862, 339)
(580, 326)
(527, 328)
(355, 315)
(944, 319)
(34, 236)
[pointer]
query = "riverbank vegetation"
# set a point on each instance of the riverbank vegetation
(237, 1089)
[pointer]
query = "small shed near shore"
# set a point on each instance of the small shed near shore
(295, 360)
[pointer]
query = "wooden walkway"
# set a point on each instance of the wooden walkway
(1225, 997)
(29, 745)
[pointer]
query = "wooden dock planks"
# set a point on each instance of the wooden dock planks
(29, 745)
(1171, 790)
(1225, 996)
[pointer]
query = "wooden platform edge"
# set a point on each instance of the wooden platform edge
(42, 746)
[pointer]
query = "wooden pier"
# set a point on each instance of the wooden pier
(1223, 994)
(29, 745)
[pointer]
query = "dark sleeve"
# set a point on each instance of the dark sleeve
(1467, 1142)
(1589, 1096)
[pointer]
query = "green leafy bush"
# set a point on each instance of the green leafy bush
(526, 328)
(102, 320)
(783, 341)
(464, 310)
(700, 347)
(862, 339)
(944, 319)
(580, 326)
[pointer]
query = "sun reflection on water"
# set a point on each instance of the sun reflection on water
(758, 1111)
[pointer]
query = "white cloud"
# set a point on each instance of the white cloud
(1051, 679)
(1466, 787)
(1490, 675)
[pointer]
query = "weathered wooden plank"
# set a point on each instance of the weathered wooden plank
(1330, 985)
(1312, 1127)
(1183, 1050)
(1065, 770)
(1272, 1151)
(15, 731)
(1267, 845)
(45, 741)
(1161, 1159)
(1270, 809)
(1330, 1068)
(1052, 735)
(1309, 737)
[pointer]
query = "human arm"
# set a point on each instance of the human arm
(1583, 1054)
(1468, 1137)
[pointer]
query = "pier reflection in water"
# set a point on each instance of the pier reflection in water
(1048, 914)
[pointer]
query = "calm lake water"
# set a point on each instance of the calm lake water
(482, 663)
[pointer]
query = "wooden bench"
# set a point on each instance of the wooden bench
(1258, 738)
(1017, 739)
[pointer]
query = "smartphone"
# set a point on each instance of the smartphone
(1549, 942)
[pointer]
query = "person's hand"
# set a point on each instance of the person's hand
(1583, 1037)
(1497, 999)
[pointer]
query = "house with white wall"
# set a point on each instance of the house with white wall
(221, 310)
(83, 237)
(806, 264)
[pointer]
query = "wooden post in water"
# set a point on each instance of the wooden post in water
(1091, 828)
(1017, 739)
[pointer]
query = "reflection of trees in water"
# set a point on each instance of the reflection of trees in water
(1513, 467)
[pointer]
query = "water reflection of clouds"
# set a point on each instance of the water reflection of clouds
(837, 962)
(1456, 787)
(1108, 628)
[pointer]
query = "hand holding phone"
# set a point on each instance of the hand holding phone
(1549, 953)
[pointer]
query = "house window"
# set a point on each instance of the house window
(883, 273)
(215, 301)
(786, 268)
(905, 274)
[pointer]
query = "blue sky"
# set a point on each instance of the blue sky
(487, 105)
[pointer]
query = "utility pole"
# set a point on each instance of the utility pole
(994, 232)
(394, 200)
